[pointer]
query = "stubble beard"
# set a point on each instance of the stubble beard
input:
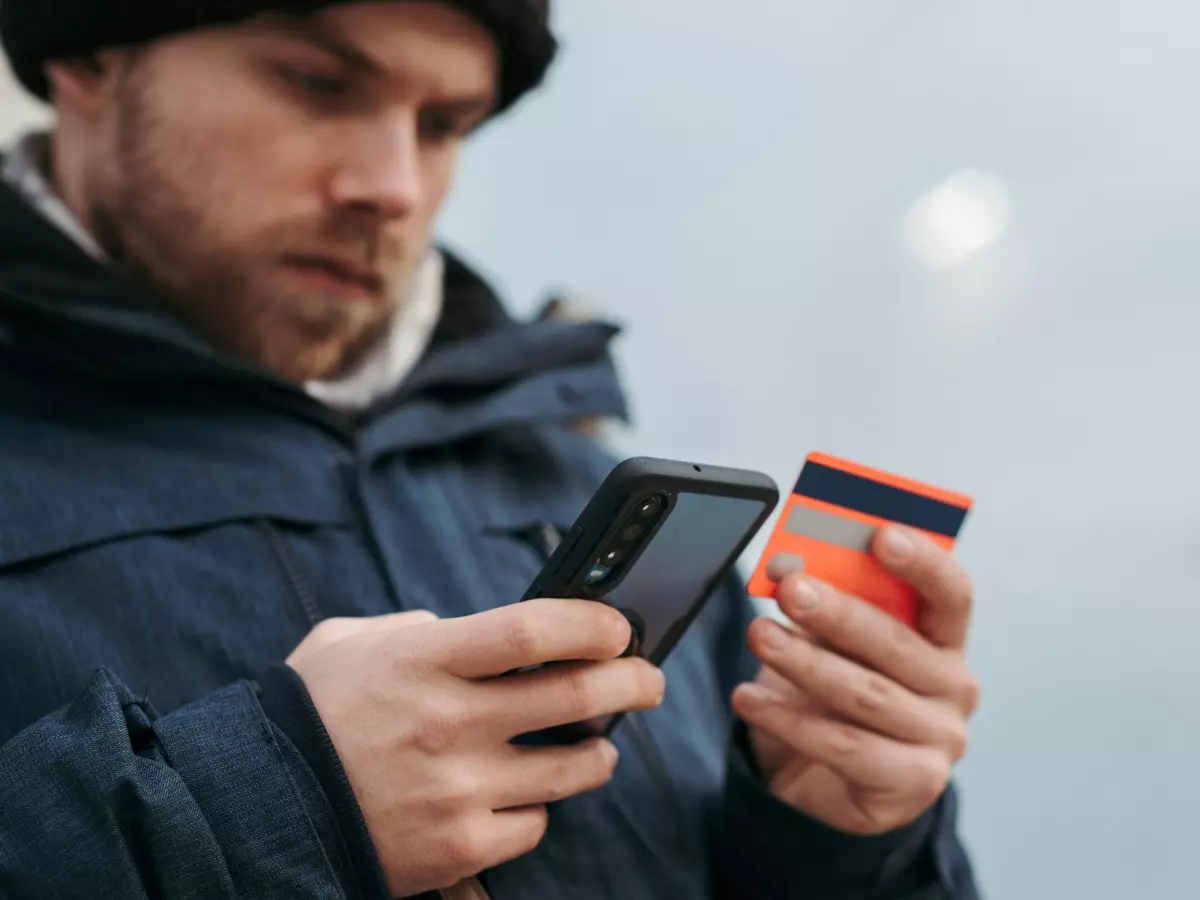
(156, 223)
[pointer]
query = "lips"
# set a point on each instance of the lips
(338, 272)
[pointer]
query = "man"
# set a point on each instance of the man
(273, 469)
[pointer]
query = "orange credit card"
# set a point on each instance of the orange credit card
(827, 524)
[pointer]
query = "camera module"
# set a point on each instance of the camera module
(630, 535)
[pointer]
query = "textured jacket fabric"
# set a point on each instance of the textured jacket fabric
(173, 523)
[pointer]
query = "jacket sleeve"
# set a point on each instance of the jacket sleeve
(765, 850)
(104, 799)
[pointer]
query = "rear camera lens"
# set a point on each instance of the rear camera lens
(631, 532)
(611, 558)
(649, 508)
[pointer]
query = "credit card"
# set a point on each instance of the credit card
(827, 524)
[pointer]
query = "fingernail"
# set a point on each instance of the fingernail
(774, 637)
(755, 695)
(806, 596)
(610, 751)
(897, 544)
(782, 565)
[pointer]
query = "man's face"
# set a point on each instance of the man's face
(276, 183)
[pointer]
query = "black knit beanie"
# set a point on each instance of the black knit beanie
(35, 32)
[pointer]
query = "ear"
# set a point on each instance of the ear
(83, 83)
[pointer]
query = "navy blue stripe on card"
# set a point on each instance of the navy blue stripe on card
(863, 495)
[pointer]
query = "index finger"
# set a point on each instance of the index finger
(944, 609)
(531, 633)
(872, 637)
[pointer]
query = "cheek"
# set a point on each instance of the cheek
(256, 165)
(262, 172)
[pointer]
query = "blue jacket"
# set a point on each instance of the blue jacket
(173, 523)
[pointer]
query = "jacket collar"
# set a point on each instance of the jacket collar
(61, 307)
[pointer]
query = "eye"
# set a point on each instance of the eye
(315, 83)
(442, 128)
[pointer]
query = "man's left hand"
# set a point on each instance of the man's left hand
(856, 719)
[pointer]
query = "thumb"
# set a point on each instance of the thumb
(944, 615)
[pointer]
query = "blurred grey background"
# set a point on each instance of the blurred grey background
(949, 239)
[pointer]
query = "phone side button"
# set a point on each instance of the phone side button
(572, 538)
(567, 547)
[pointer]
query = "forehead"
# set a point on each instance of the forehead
(401, 40)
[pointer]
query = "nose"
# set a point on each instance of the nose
(380, 172)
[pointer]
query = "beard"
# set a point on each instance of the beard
(161, 218)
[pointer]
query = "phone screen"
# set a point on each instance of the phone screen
(691, 547)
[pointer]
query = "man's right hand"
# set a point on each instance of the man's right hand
(424, 726)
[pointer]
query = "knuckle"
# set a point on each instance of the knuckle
(461, 786)
(873, 695)
(578, 691)
(523, 636)
(933, 777)
(809, 667)
(958, 739)
(897, 645)
(438, 723)
(840, 614)
(467, 848)
(846, 741)
(561, 780)
(450, 795)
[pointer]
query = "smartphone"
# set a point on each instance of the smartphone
(655, 541)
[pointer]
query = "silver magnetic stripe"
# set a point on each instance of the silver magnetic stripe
(832, 529)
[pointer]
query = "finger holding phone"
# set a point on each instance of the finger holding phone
(654, 542)
(420, 696)
(446, 701)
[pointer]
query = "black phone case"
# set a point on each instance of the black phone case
(631, 482)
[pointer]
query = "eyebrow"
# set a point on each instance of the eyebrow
(468, 107)
(310, 31)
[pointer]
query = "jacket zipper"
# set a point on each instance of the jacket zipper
(471, 888)
(296, 583)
